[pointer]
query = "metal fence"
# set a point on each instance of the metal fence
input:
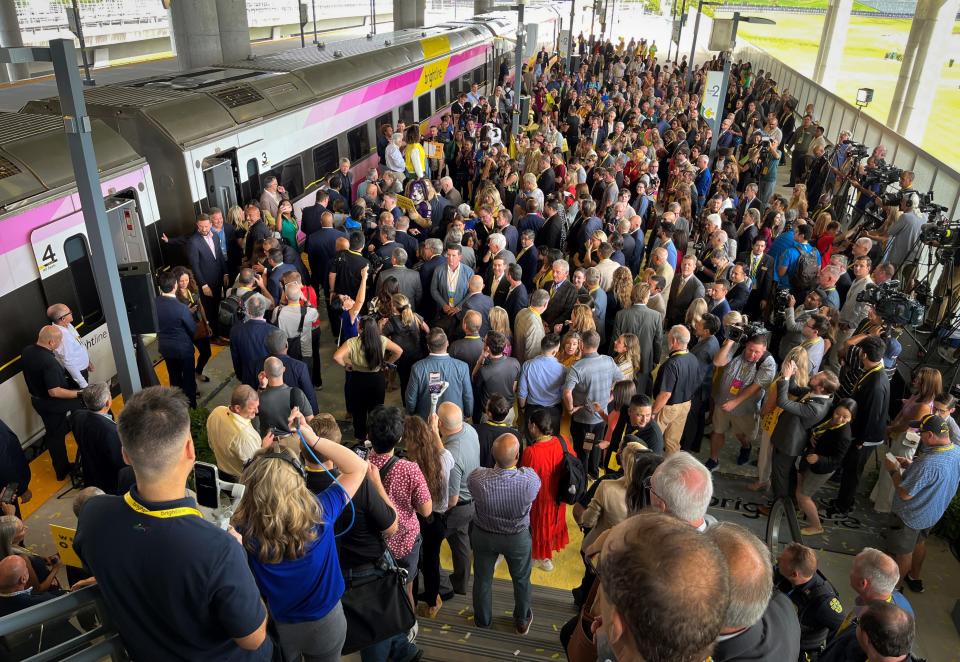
(836, 114)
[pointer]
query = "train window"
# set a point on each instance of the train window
(440, 96)
(326, 158)
(358, 142)
(406, 113)
(454, 88)
(423, 106)
(78, 260)
(290, 175)
(478, 75)
(386, 118)
(465, 83)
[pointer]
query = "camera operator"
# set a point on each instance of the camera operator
(768, 158)
(794, 321)
(743, 382)
(901, 237)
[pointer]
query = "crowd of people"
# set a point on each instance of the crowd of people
(599, 291)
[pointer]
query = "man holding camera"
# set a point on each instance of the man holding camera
(745, 379)
(769, 161)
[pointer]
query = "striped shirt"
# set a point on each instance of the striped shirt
(502, 498)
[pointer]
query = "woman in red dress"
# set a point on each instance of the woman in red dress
(548, 518)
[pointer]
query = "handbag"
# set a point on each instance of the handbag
(376, 605)
(582, 647)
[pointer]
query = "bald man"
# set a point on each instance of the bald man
(470, 346)
(760, 623)
(278, 399)
(461, 440)
(50, 394)
(478, 302)
(503, 496)
(15, 595)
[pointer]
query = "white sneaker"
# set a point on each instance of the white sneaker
(412, 633)
(544, 564)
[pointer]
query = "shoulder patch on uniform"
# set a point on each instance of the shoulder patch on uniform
(835, 605)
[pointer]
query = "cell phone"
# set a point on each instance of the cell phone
(9, 493)
(205, 480)
(891, 457)
(588, 440)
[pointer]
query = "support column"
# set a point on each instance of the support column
(934, 45)
(833, 39)
(906, 66)
(10, 37)
(482, 6)
(409, 14)
(195, 30)
(234, 30)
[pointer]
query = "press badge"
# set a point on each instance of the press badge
(735, 386)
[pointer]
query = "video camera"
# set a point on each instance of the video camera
(745, 331)
(781, 301)
(893, 306)
(928, 206)
(856, 150)
(882, 173)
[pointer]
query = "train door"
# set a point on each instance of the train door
(218, 178)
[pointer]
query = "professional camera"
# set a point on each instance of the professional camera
(928, 206)
(893, 306)
(745, 330)
(781, 301)
(882, 173)
(942, 233)
(856, 150)
(764, 147)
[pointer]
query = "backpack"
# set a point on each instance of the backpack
(573, 477)
(232, 311)
(805, 270)
(294, 348)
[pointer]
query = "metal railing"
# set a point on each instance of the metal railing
(836, 114)
(22, 633)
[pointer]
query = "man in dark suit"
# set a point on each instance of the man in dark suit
(408, 280)
(257, 231)
(277, 268)
(759, 268)
(748, 230)
(342, 180)
(296, 374)
(563, 296)
(477, 301)
(717, 304)
(748, 201)
(685, 288)
(432, 252)
(792, 432)
(517, 296)
(312, 218)
(14, 468)
(321, 247)
(98, 442)
(765, 627)
(529, 259)
(226, 236)
(209, 266)
(739, 291)
(175, 330)
(646, 325)
(496, 284)
(405, 239)
(550, 232)
(248, 341)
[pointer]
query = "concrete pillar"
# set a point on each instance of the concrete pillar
(906, 67)
(934, 45)
(234, 29)
(833, 39)
(482, 6)
(409, 14)
(10, 38)
(196, 33)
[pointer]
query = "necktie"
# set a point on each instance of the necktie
(753, 265)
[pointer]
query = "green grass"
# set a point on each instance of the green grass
(805, 4)
(796, 38)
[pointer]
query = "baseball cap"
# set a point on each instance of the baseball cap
(892, 353)
(934, 424)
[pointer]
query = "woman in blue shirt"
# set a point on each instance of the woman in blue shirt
(288, 533)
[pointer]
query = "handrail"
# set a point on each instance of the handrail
(93, 644)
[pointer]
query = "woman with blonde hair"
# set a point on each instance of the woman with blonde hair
(925, 386)
(581, 319)
(609, 504)
(626, 353)
(42, 570)
(770, 413)
(798, 198)
(500, 322)
(619, 297)
(695, 312)
(571, 349)
(288, 534)
(405, 328)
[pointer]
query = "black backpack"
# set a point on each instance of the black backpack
(294, 349)
(805, 270)
(573, 477)
(232, 311)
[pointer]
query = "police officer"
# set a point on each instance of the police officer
(817, 602)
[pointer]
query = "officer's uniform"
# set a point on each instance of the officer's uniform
(819, 610)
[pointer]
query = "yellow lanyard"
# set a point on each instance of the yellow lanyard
(869, 372)
(807, 344)
(679, 352)
(940, 449)
(823, 428)
(498, 425)
(163, 514)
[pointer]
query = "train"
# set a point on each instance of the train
(171, 146)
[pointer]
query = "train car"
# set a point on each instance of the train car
(212, 135)
(44, 252)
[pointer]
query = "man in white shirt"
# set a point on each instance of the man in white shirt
(71, 353)
(231, 434)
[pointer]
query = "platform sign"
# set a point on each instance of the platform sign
(675, 31)
(710, 107)
(63, 539)
(564, 44)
